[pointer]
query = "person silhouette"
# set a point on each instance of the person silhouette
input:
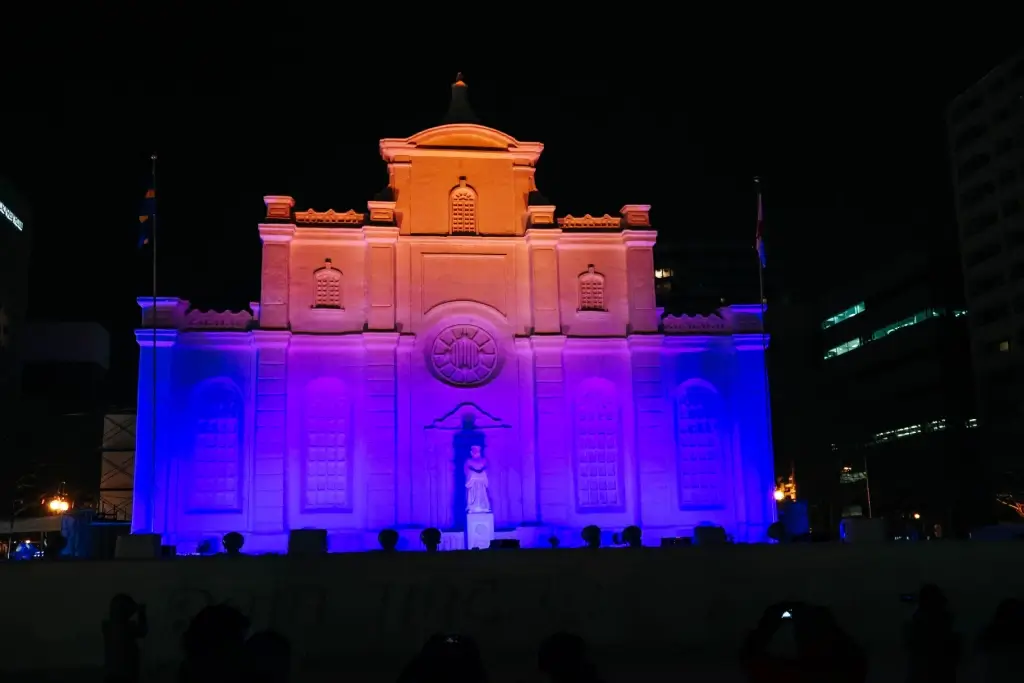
(562, 658)
(266, 658)
(123, 628)
(1002, 642)
(933, 647)
(446, 658)
(212, 645)
(800, 643)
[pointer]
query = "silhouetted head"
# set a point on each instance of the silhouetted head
(122, 607)
(1007, 625)
(267, 656)
(388, 539)
(217, 631)
(563, 657)
(816, 630)
(932, 599)
(233, 542)
(449, 658)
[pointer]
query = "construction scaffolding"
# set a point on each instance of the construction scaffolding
(117, 469)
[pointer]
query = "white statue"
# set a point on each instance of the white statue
(476, 482)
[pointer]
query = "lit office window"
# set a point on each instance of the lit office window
(920, 317)
(662, 273)
(843, 315)
(842, 348)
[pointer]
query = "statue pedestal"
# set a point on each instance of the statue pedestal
(479, 530)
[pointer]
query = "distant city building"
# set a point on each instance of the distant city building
(702, 276)
(896, 409)
(15, 245)
(986, 140)
(63, 394)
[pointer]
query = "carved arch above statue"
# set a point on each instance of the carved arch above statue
(468, 414)
(460, 136)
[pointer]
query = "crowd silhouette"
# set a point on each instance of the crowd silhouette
(793, 642)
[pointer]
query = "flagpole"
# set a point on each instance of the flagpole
(758, 251)
(153, 353)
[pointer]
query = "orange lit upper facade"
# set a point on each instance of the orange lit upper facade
(455, 309)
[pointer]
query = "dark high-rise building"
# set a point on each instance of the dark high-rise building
(894, 391)
(700, 277)
(986, 140)
(15, 244)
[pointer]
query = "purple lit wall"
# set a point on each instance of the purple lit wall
(349, 397)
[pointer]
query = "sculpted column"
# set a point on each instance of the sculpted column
(380, 310)
(554, 471)
(544, 279)
(276, 237)
(750, 399)
(152, 465)
(270, 447)
(639, 241)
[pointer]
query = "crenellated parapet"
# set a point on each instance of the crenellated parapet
(177, 314)
(730, 320)
(330, 217)
(631, 216)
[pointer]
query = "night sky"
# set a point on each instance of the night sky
(848, 136)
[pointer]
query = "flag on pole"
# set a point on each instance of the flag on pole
(146, 213)
(759, 234)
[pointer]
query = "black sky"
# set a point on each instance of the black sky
(847, 133)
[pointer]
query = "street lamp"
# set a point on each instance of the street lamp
(779, 495)
(58, 505)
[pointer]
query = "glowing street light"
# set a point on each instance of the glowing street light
(58, 505)
(917, 515)
(779, 495)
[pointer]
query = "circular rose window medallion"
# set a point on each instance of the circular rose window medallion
(464, 355)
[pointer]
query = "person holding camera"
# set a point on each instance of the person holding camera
(800, 643)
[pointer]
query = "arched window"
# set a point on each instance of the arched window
(591, 290)
(327, 286)
(327, 467)
(598, 484)
(463, 209)
(216, 466)
(700, 447)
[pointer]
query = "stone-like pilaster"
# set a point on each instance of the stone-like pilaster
(544, 268)
(654, 438)
(379, 427)
(752, 412)
(154, 430)
(554, 471)
(404, 454)
(380, 277)
(643, 312)
(275, 280)
(527, 429)
(267, 507)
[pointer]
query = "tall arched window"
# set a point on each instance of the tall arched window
(327, 286)
(463, 209)
(216, 466)
(327, 465)
(591, 290)
(597, 433)
(700, 447)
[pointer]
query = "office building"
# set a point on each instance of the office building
(895, 399)
(15, 245)
(986, 139)
(702, 276)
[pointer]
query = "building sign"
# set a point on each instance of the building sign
(9, 215)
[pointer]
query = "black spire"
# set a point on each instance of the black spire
(459, 110)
